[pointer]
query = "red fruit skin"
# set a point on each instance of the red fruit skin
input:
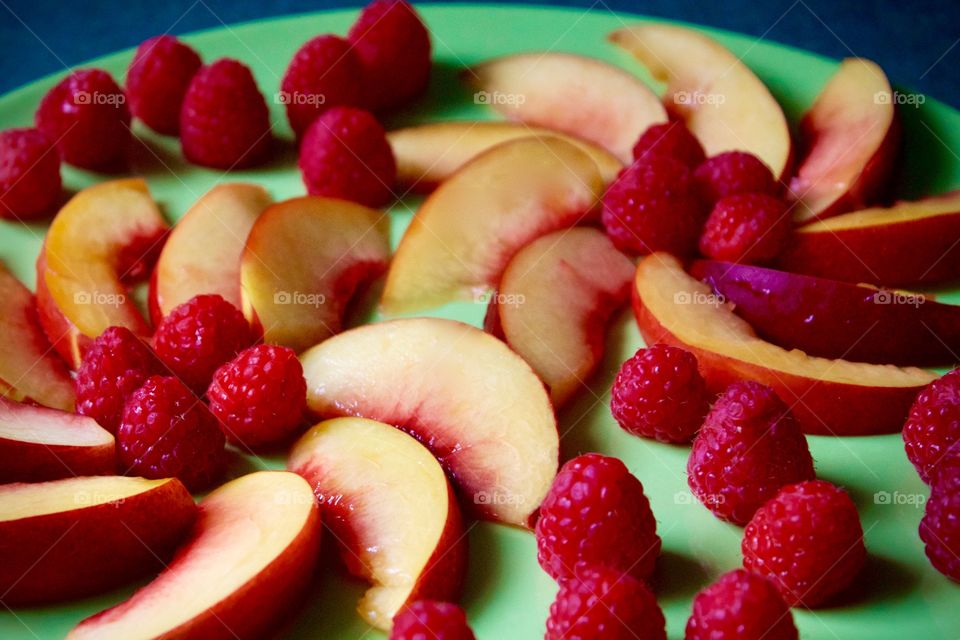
(932, 431)
(671, 139)
(30, 184)
(659, 393)
(429, 619)
(733, 172)
(740, 606)
(157, 81)
(86, 116)
(596, 513)
(940, 526)
(808, 541)
(599, 602)
(747, 227)
(393, 46)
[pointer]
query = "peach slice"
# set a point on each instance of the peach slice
(849, 140)
(570, 281)
(389, 504)
(581, 96)
(464, 233)
(251, 555)
(304, 260)
(835, 397)
(202, 254)
(428, 154)
(475, 403)
(723, 103)
(75, 537)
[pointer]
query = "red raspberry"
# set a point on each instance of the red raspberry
(260, 396)
(740, 606)
(224, 122)
(29, 174)
(670, 139)
(932, 430)
(200, 335)
(87, 118)
(733, 172)
(660, 394)
(807, 541)
(596, 513)
(747, 227)
(167, 432)
(940, 527)
(324, 73)
(651, 206)
(602, 603)
(345, 154)
(430, 620)
(750, 445)
(393, 45)
(157, 81)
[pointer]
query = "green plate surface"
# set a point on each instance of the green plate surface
(507, 595)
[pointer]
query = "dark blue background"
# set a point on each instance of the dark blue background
(917, 43)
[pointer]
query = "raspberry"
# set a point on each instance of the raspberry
(167, 432)
(602, 603)
(430, 620)
(807, 541)
(324, 73)
(87, 118)
(671, 139)
(940, 527)
(224, 122)
(750, 445)
(733, 172)
(596, 513)
(747, 227)
(393, 46)
(660, 394)
(651, 206)
(260, 396)
(932, 430)
(345, 154)
(115, 365)
(157, 81)
(29, 174)
(740, 606)
(200, 335)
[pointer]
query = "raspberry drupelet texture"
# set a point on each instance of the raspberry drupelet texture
(733, 172)
(740, 606)
(671, 139)
(157, 82)
(30, 184)
(940, 527)
(932, 431)
(750, 228)
(431, 620)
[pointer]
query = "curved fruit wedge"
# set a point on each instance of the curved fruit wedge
(835, 397)
(27, 365)
(202, 254)
(475, 403)
(849, 140)
(72, 538)
(912, 242)
(722, 102)
(582, 96)
(388, 502)
(305, 259)
(570, 281)
(250, 556)
(834, 319)
(428, 154)
(463, 234)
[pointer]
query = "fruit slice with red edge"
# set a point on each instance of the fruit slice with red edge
(570, 281)
(722, 102)
(835, 319)
(202, 254)
(849, 140)
(304, 260)
(830, 397)
(464, 233)
(246, 564)
(581, 96)
(390, 506)
(472, 401)
(71, 538)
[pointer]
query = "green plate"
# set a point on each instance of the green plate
(507, 595)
